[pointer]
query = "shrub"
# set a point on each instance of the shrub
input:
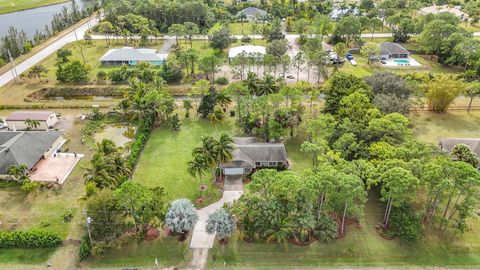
(101, 75)
(85, 250)
(171, 73)
(67, 216)
(29, 186)
(326, 229)
(405, 224)
(29, 239)
(143, 133)
(221, 81)
(91, 189)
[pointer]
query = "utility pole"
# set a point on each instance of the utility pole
(81, 49)
(88, 220)
(14, 69)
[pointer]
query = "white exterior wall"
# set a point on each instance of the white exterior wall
(44, 124)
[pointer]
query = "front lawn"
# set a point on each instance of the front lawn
(362, 246)
(163, 161)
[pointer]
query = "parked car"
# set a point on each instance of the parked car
(290, 77)
(3, 125)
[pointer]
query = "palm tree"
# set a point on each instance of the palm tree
(106, 147)
(207, 150)
(217, 116)
(242, 17)
(224, 99)
(197, 167)
(32, 124)
(224, 147)
(17, 173)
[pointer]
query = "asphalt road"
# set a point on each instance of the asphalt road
(52, 48)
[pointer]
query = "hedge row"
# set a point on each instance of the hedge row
(143, 132)
(29, 239)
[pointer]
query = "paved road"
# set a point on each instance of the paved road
(52, 48)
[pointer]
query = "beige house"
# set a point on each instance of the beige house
(18, 120)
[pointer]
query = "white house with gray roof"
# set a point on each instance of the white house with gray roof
(249, 155)
(132, 57)
(27, 148)
(252, 13)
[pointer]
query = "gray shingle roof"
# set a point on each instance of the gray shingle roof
(131, 54)
(449, 143)
(388, 48)
(251, 11)
(24, 147)
(247, 152)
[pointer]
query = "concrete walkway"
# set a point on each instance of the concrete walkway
(201, 240)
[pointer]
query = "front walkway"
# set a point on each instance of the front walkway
(201, 240)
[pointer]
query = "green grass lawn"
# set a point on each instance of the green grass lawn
(475, 27)
(164, 159)
(7, 6)
(430, 126)
(166, 249)
(14, 256)
(362, 246)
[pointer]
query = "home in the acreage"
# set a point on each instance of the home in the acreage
(394, 55)
(132, 57)
(20, 120)
(252, 14)
(27, 148)
(249, 155)
(248, 50)
(455, 10)
(447, 144)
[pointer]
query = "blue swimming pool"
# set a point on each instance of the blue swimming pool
(402, 61)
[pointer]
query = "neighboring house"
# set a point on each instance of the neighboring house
(27, 148)
(390, 50)
(132, 57)
(248, 49)
(338, 12)
(252, 13)
(449, 143)
(455, 10)
(250, 155)
(17, 120)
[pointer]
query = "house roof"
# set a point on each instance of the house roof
(131, 54)
(27, 148)
(248, 49)
(248, 151)
(388, 48)
(448, 144)
(338, 12)
(443, 8)
(252, 11)
(32, 115)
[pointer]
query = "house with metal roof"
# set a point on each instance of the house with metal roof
(250, 155)
(26, 148)
(455, 10)
(131, 56)
(252, 13)
(249, 50)
(19, 120)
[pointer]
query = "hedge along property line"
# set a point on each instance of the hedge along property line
(49, 106)
(29, 239)
(143, 132)
(76, 91)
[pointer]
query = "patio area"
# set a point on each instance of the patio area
(401, 62)
(55, 168)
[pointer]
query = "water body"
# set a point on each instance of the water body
(120, 134)
(31, 20)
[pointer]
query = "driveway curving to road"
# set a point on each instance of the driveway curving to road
(50, 49)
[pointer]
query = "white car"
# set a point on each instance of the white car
(353, 62)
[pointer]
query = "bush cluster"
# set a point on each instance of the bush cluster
(29, 239)
(141, 138)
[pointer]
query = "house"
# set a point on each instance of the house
(17, 120)
(339, 12)
(250, 50)
(130, 56)
(249, 155)
(455, 10)
(252, 13)
(390, 50)
(26, 147)
(448, 144)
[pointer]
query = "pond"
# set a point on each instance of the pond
(92, 98)
(120, 134)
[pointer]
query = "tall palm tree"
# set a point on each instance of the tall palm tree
(197, 167)
(207, 150)
(224, 147)
(106, 147)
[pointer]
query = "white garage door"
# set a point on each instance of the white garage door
(233, 171)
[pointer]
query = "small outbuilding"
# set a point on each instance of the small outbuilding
(252, 13)
(132, 57)
(20, 120)
(250, 50)
(249, 155)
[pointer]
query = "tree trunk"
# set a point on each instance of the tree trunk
(470, 105)
(343, 218)
(387, 214)
(448, 205)
(319, 212)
